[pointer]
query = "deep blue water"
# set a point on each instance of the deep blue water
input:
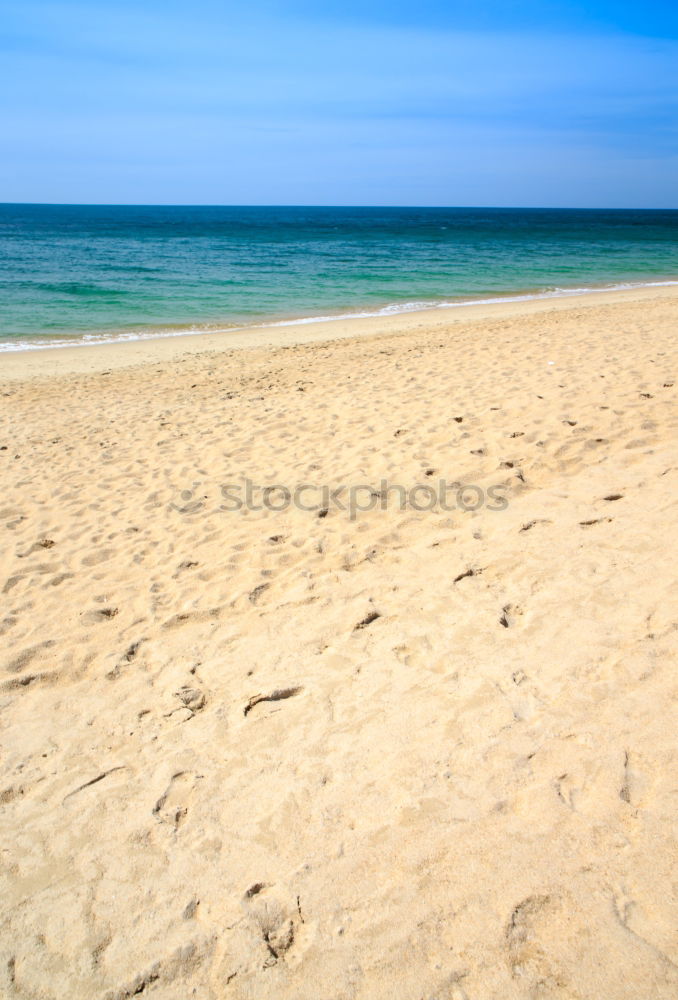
(74, 272)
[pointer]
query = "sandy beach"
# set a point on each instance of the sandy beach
(331, 745)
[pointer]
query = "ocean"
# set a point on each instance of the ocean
(83, 274)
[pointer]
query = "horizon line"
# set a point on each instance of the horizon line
(495, 208)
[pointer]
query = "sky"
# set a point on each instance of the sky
(340, 102)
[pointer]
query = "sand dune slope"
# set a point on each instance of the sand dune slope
(416, 754)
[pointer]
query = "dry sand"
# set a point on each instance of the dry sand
(420, 755)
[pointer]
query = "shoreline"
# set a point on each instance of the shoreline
(49, 361)
(102, 338)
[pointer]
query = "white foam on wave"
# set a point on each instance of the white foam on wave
(395, 309)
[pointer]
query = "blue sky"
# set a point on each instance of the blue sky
(340, 103)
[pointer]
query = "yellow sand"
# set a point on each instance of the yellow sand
(414, 755)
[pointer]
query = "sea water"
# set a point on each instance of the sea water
(83, 274)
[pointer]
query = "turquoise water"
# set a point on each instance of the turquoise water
(76, 274)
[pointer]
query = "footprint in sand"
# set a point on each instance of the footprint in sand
(98, 557)
(26, 656)
(526, 954)
(273, 919)
(172, 806)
